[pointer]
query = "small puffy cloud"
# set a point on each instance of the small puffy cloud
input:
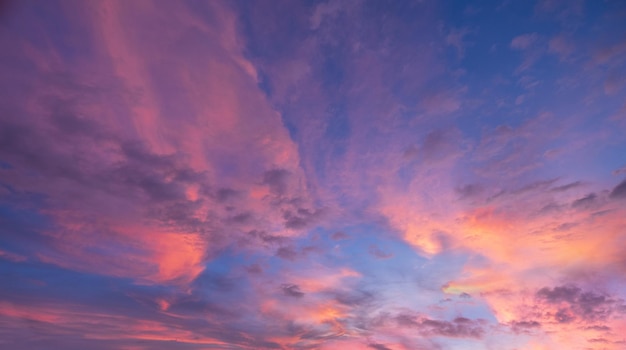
(524, 41)
(456, 39)
(561, 46)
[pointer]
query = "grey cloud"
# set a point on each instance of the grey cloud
(339, 235)
(440, 144)
(355, 298)
(598, 340)
(287, 253)
(566, 187)
(242, 218)
(524, 326)
(470, 190)
(312, 249)
(197, 306)
(410, 152)
(406, 320)
(217, 282)
(566, 226)
(564, 316)
(585, 202)
(585, 305)
(159, 177)
(268, 238)
(224, 194)
(378, 253)
(72, 154)
(303, 331)
(535, 186)
(254, 269)
(76, 163)
(619, 192)
(277, 181)
(292, 290)
(559, 294)
(460, 327)
(301, 218)
(290, 252)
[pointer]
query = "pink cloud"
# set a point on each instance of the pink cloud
(524, 41)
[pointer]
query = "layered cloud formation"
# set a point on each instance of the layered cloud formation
(313, 175)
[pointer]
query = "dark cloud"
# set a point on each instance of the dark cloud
(566, 187)
(292, 290)
(378, 253)
(5, 6)
(460, 327)
(585, 305)
(559, 294)
(29, 148)
(585, 202)
(410, 152)
(339, 235)
(73, 162)
(534, 186)
(161, 177)
(598, 328)
(310, 334)
(439, 144)
(470, 190)
(312, 249)
(564, 316)
(599, 340)
(221, 283)
(355, 298)
(254, 269)
(268, 238)
(550, 208)
(73, 154)
(242, 218)
(566, 226)
(524, 326)
(196, 306)
(301, 218)
(224, 194)
(619, 192)
(465, 295)
(287, 253)
(277, 181)
(376, 346)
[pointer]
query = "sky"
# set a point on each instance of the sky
(339, 174)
